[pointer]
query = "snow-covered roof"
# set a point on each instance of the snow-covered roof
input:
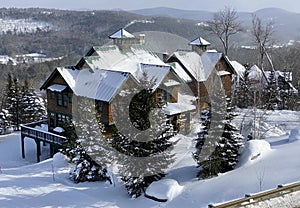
(134, 61)
(156, 73)
(184, 104)
(209, 61)
(255, 73)
(200, 42)
(287, 76)
(122, 33)
(200, 67)
(239, 68)
(57, 87)
(223, 73)
(171, 82)
(98, 84)
(177, 108)
(58, 129)
(192, 62)
(180, 72)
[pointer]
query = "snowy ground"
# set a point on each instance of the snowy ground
(264, 165)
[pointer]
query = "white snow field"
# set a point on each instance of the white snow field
(264, 164)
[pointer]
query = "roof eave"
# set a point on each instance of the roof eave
(52, 75)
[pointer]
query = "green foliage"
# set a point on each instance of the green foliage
(32, 106)
(224, 157)
(87, 145)
(143, 148)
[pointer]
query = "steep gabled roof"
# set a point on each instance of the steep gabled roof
(193, 64)
(98, 84)
(122, 33)
(255, 73)
(156, 73)
(200, 42)
(134, 61)
(199, 67)
(180, 71)
(239, 69)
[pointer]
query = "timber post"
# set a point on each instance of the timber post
(22, 146)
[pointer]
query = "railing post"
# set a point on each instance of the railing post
(38, 150)
(22, 145)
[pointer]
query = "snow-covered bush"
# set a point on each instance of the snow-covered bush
(86, 169)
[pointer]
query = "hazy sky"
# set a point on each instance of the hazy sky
(211, 5)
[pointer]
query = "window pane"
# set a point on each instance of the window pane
(59, 99)
(65, 100)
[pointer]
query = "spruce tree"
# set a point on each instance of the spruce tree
(87, 145)
(272, 99)
(12, 101)
(4, 120)
(32, 107)
(224, 157)
(142, 141)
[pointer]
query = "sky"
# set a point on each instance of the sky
(209, 5)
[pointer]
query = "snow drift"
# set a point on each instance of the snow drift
(254, 150)
(163, 190)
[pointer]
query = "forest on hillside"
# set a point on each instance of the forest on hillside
(70, 34)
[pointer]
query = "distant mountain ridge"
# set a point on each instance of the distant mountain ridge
(175, 13)
(287, 24)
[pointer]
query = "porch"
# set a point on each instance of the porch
(41, 135)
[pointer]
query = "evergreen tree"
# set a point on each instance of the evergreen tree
(87, 145)
(142, 141)
(4, 120)
(13, 96)
(272, 98)
(32, 107)
(228, 142)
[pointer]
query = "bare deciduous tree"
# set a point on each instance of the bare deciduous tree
(262, 37)
(224, 25)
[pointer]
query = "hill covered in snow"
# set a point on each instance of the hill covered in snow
(263, 165)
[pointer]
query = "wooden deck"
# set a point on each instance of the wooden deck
(29, 131)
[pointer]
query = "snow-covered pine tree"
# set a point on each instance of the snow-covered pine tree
(224, 157)
(143, 148)
(32, 107)
(4, 121)
(91, 153)
(13, 96)
(272, 98)
(205, 117)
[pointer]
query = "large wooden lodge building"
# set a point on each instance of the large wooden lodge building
(106, 71)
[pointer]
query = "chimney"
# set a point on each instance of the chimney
(199, 45)
(124, 39)
(142, 39)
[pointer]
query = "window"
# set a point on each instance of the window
(65, 100)
(62, 99)
(100, 106)
(59, 99)
(61, 119)
(52, 95)
(166, 96)
(52, 119)
(70, 97)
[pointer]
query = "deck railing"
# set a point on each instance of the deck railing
(42, 135)
(249, 199)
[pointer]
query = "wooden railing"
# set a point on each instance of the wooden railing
(29, 131)
(281, 190)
